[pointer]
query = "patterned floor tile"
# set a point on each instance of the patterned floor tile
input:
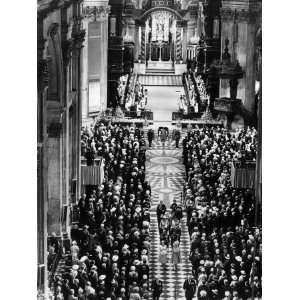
(166, 180)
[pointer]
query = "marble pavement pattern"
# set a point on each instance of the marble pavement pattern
(166, 175)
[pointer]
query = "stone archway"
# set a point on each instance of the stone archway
(162, 38)
(146, 14)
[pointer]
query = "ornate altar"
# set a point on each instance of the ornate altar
(161, 30)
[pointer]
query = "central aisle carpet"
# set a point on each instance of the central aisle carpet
(166, 175)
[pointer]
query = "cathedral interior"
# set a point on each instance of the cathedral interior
(149, 149)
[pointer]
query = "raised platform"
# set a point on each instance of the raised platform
(155, 68)
(160, 79)
(159, 72)
(160, 65)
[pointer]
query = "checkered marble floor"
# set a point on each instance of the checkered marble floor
(166, 175)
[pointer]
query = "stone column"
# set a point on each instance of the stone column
(143, 44)
(97, 11)
(103, 18)
(137, 43)
(43, 79)
(184, 44)
(78, 37)
(53, 153)
(84, 73)
(178, 53)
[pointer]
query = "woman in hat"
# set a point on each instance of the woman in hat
(164, 223)
(163, 253)
(176, 257)
(134, 295)
(74, 252)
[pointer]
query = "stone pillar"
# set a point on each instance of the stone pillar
(143, 44)
(239, 24)
(137, 43)
(78, 37)
(97, 12)
(43, 78)
(54, 187)
(191, 29)
(184, 44)
(178, 53)
(103, 57)
(84, 73)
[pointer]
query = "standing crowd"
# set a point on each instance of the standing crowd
(225, 244)
(110, 245)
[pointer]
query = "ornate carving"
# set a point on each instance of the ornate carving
(66, 50)
(78, 34)
(78, 39)
(77, 20)
(53, 29)
(64, 27)
(96, 12)
(159, 3)
(43, 72)
(53, 4)
(40, 47)
(239, 15)
(227, 14)
(226, 55)
(193, 9)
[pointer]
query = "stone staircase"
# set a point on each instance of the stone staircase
(160, 79)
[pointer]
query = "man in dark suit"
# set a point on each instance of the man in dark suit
(150, 135)
(157, 287)
(190, 287)
(161, 209)
(177, 137)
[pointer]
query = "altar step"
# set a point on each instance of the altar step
(160, 71)
(160, 80)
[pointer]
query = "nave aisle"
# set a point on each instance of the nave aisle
(166, 175)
